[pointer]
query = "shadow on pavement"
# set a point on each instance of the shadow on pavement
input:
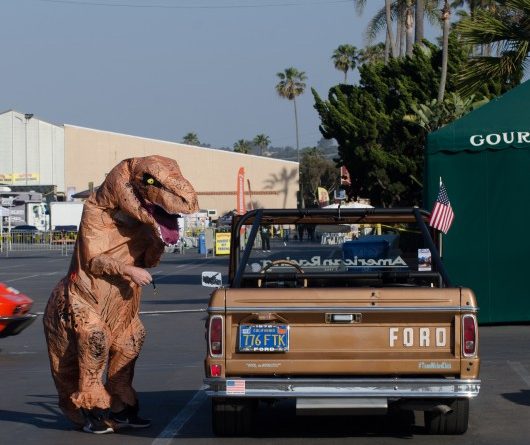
(280, 421)
(43, 412)
(520, 398)
(270, 422)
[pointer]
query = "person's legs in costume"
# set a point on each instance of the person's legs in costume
(123, 354)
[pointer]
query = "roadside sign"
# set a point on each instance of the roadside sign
(222, 243)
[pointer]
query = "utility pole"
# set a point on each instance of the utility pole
(28, 116)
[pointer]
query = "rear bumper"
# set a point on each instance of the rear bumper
(15, 325)
(336, 387)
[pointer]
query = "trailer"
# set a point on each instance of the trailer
(67, 213)
(20, 208)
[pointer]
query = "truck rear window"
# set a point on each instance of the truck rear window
(349, 254)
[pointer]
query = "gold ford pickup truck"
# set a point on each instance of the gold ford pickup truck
(347, 311)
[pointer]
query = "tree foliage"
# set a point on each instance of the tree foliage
(242, 146)
(317, 171)
(382, 152)
(262, 141)
(291, 85)
(191, 139)
(505, 27)
(345, 58)
(435, 114)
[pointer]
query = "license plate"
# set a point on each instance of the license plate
(263, 338)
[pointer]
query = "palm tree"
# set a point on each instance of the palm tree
(474, 5)
(345, 58)
(191, 139)
(262, 141)
(446, 23)
(419, 14)
(390, 46)
(409, 25)
(508, 29)
(379, 21)
(291, 85)
(389, 34)
(372, 54)
(242, 146)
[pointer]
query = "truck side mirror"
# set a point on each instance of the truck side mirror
(212, 279)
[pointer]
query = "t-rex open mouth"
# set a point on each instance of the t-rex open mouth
(168, 226)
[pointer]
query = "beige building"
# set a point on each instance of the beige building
(35, 154)
(90, 154)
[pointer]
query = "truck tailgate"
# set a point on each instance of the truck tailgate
(339, 331)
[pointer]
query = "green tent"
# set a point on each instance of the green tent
(483, 160)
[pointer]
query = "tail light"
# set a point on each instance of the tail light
(215, 336)
(469, 335)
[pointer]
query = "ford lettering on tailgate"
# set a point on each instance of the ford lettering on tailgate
(263, 338)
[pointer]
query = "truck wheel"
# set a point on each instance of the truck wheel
(454, 422)
(232, 417)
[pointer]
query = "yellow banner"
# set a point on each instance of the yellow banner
(222, 243)
(6, 177)
(24, 177)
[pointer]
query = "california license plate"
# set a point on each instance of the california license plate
(263, 338)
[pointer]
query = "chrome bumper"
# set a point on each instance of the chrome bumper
(348, 387)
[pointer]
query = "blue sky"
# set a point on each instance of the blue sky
(163, 68)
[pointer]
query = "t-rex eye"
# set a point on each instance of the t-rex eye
(149, 180)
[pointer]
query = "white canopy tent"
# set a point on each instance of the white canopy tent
(349, 205)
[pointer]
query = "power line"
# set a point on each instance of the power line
(161, 6)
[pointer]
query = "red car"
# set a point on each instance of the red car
(14, 311)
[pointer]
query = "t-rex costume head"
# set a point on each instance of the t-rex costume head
(151, 190)
(91, 320)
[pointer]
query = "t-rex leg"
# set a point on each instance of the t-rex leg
(93, 343)
(123, 354)
(62, 349)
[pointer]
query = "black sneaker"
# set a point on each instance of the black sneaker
(96, 423)
(94, 428)
(129, 417)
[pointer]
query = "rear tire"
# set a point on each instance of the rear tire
(454, 422)
(232, 417)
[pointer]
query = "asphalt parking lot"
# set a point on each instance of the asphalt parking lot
(169, 374)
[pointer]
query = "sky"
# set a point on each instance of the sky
(162, 68)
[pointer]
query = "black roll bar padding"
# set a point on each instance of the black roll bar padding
(379, 275)
(330, 212)
(250, 242)
(430, 243)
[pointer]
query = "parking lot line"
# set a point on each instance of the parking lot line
(521, 371)
(46, 274)
(172, 429)
(12, 267)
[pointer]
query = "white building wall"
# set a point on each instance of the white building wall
(31, 151)
(6, 143)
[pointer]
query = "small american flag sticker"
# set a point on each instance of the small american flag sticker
(235, 386)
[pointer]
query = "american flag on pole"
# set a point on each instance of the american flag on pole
(442, 214)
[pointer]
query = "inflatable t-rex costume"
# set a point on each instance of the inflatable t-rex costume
(91, 321)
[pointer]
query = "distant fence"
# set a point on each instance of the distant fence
(63, 242)
(28, 241)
